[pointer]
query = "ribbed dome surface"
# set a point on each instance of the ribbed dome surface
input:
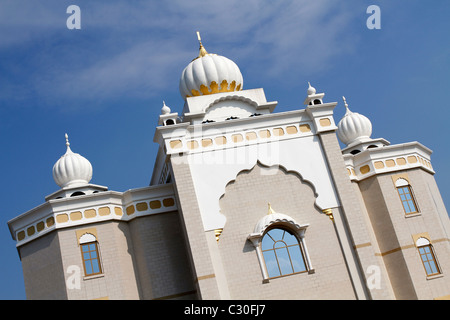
(210, 74)
(72, 169)
(353, 126)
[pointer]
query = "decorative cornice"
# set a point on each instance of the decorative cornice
(88, 209)
(388, 159)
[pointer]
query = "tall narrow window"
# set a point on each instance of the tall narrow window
(282, 253)
(91, 261)
(406, 196)
(429, 260)
(428, 257)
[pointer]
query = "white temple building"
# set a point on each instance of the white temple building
(245, 203)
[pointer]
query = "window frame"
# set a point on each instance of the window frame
(299, 244)
(282, 222)
(402, 184)
(423, 243)
(97, 251)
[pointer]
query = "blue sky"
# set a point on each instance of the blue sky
(104, 84)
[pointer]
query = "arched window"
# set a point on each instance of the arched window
(406, 196)
(428, 257)
(77, 193)
(282, 253)
(90, 254)
(280, 245)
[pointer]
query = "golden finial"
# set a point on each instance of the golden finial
(203, 51)
(270, 209)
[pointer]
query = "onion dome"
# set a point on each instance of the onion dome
(210, 73)
(311, 90)
(165, 109)
(353, 127)
(72, 169)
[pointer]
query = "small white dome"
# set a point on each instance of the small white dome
(208, 74)
(353, 126)
(165, 109)
(311, 90)
(72, 169)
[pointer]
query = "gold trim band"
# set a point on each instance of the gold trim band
(208, 276)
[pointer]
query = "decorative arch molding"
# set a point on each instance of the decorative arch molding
(237, 107)
(310, 165)
(86, 238)
(232, 98)
(273, 167)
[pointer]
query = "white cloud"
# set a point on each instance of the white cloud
(135, 49)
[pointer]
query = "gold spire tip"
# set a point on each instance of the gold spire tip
(270, 209)
(203, 51)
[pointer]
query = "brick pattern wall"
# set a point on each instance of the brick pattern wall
(244, 203)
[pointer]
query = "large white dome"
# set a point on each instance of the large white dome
(72, 169)
(208, 74)
(353, 127)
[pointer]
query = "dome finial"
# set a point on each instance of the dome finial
(270, 209)
(67, 139)
(346, 106)
(203, 51)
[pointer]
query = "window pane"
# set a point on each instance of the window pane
(95, 266)
(88, 267)
(290, 239)
(411, 205)
(267, 243)
(297, 258)
(85, 247)
(427, 268)
(279, 244)
(405, 206)
(92, 247)
(283, 261)
(276, 234)
(86, 256)
(93, 254)
(271, 264)
(433, 267)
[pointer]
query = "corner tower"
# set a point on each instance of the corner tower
(408, 221)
